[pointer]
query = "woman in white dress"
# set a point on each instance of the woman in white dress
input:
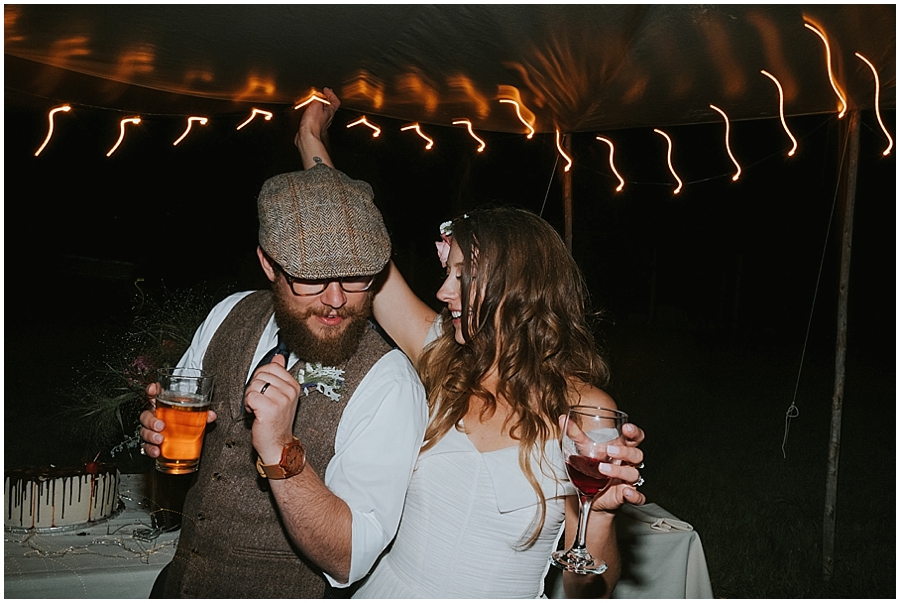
(502, 363)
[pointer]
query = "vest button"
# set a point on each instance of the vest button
(201, 516)
(229, 443)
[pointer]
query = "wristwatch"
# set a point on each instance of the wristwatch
(293, 460)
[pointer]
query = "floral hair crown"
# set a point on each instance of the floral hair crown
(443, 246)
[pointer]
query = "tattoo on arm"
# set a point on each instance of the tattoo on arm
(317, 159)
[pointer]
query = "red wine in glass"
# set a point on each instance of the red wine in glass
(585, 474)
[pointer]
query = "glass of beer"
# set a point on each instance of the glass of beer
(182, 403)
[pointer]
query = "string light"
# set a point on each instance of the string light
(737, 174)
(563, 153)
(54, 111)
(190, 121)
(419, 132)
(312, 97)
(415, 86)
(257, 86)
(519, 108)
(611, 164)
(365, 87)
(127, 120)
(887, 151)
(781, 110)
(519, 114)
(669, 160)
(462, 89)
(266, 115)
(471, 132)
(362, 120)
(834, 85)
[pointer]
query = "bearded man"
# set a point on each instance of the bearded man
(262, 519)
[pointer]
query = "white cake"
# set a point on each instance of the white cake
(54, 497)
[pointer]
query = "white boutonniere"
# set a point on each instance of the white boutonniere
(326, 379)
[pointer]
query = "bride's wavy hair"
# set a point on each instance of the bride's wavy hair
(528, 316)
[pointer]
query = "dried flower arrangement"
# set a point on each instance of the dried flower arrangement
(108, 395)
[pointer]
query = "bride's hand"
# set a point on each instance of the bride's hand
(626, 476)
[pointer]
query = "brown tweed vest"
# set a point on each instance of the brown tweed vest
(232, 542)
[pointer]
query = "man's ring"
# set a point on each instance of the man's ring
(265, 387)
(640, 482)
(143, 452)
(641, 466)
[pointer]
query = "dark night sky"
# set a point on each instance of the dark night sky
(188, 212)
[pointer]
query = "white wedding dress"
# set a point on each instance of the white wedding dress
(465, 517)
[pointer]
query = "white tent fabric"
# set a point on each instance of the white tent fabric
(573, 67)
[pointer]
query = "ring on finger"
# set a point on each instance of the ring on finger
(143, 452)
(641, 466)
(640, 482)
(264, 387)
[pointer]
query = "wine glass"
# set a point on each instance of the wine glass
(587, 433)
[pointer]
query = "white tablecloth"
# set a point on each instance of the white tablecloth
(662, 558)
(103, 561)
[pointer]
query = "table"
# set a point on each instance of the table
(106, 560)
(662, 558)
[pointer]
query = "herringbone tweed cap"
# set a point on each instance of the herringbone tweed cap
(319, 223)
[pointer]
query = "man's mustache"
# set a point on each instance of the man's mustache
(342, 312)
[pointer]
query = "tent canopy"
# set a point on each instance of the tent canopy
(573, 67)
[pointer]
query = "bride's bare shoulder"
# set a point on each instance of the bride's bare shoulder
(589, 395)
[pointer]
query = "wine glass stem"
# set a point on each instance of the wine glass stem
(583, 514)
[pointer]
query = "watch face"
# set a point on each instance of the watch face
(293, 458)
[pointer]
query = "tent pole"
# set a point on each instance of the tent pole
(567, 193)
(848, 172)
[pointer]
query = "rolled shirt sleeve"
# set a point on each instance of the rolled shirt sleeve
(376, 447)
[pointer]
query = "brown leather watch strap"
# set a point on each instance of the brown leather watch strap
(293, 461)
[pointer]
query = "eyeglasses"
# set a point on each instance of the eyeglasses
(303, 287)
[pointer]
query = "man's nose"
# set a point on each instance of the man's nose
(333, 295)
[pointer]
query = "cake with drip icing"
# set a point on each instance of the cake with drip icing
(55, 497)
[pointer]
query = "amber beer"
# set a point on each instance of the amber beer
(182, 404)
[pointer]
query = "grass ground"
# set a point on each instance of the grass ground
(714, 412)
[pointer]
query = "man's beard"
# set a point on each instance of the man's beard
(330, 351)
